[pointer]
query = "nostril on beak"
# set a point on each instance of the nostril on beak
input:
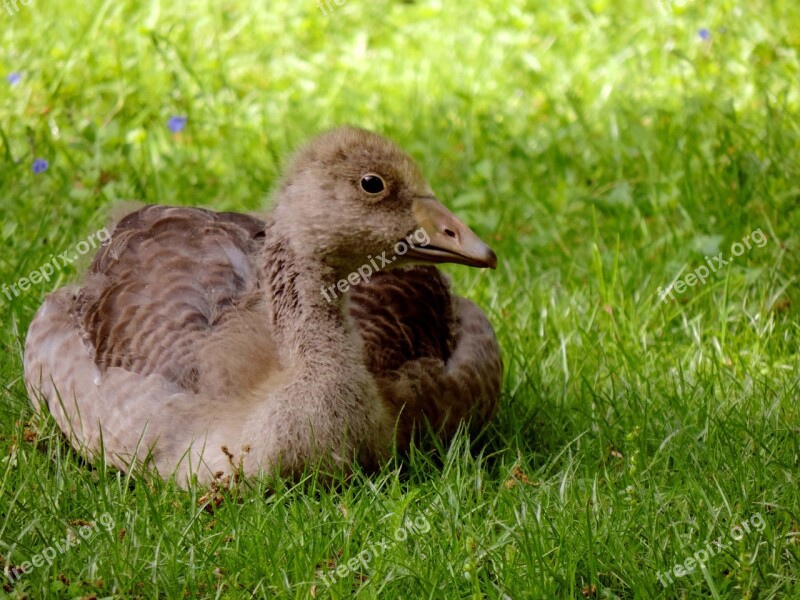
(450, 233)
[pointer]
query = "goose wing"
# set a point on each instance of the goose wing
(159, 341)
(434, 355)
(168, 283)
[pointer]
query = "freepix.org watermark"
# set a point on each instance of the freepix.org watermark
(54, 265)
(419, 525)
(325, 5)
(12, 6)
(72, 539)
(701, 273)
(365, 271)
(699, 558)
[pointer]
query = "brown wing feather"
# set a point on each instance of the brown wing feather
(404, 315)
(168, 278)
(434, 356)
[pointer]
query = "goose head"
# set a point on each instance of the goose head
(351, 194)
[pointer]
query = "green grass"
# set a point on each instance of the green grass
(603, 149)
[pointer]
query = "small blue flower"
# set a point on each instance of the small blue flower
(13, 78)
(40, 165)
(177, 123)
(704, 34)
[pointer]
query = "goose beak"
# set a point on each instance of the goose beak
(450, 240)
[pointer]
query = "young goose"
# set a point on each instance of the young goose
(200, 339)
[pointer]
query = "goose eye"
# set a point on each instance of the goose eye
(372, 184)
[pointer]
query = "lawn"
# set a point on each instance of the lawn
(634, 164)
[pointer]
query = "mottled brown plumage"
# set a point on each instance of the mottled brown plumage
(196, 331)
